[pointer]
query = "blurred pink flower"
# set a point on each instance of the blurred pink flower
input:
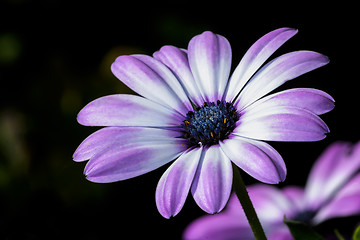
(332, 190)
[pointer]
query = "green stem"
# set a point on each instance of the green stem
(243, 196)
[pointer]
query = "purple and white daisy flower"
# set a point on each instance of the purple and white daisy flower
(332, 190)
(190, 110)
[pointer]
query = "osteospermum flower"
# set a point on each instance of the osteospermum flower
(332, 190)
(192, 112)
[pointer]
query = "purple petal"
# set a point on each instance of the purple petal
(234, 207)
(313, 100)
(151, 79)
(107, 136)
(296, 197)
(257, 54)
(96, 141)
(281, 124)
(174, 185)
(210, 62)
(331, 171)
(218, 227)
(279, 231)
(123, 161)
(271, 205)
(127, 110)
(277, 72)
(232, 223)
(213, 180)
(256, 158)
(345, 203)
(177, 60)
(269, 202)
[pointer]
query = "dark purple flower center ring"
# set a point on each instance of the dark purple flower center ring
(210, 123)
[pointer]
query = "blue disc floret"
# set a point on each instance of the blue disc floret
(210, 123)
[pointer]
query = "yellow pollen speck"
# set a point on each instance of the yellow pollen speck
(225, 120)
(211, 134)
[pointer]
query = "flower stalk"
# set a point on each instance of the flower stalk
(243, 196)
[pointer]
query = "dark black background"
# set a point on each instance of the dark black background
(59, 60)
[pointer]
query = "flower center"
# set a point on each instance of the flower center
(305, 216)
(210, 123)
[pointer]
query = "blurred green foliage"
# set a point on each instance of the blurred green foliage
(10, 48)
